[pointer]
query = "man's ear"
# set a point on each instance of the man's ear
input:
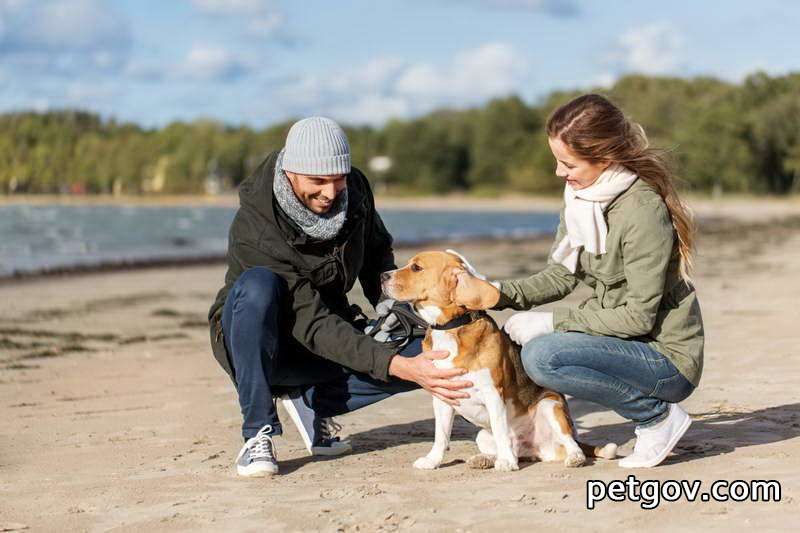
(473, 293)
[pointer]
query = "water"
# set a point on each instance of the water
(37, 238)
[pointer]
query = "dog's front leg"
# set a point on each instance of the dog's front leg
(443, 413)
(506, 459)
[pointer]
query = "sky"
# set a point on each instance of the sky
(258, 62)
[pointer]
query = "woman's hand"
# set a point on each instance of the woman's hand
(438, 381)
(471, 269)
(522, 327)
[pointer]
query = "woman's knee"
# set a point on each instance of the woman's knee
(539, 356)
(259, 287)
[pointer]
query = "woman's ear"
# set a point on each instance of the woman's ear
(473, 293)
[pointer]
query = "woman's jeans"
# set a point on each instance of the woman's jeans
(268, 362)
(627, 376)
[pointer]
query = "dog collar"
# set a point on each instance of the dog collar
(462, 320)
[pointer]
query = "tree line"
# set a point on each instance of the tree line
(721, 137)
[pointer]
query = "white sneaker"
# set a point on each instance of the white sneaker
(318, 434)
(653, 444)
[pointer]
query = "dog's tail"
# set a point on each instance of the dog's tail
(609, 451)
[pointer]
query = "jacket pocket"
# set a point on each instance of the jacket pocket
(615, 294)
(323, 273)
(609, 271)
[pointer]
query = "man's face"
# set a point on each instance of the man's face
(317, 192)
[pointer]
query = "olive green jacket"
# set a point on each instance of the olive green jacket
(638, 291)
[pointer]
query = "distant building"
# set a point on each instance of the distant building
(380, 164)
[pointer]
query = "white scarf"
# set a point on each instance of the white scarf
(583, 214)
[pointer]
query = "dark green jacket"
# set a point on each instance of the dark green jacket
(319, 274)
(638, 291)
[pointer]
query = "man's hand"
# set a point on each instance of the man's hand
(439, 382)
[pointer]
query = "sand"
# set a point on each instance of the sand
(116, 417)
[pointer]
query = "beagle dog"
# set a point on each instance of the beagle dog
(518, 418)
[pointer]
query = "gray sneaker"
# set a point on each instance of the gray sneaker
(257, 456)
(327, 443)
(319, 434)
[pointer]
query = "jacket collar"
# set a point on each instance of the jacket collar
(635, 187)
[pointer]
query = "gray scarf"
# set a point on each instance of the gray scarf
(322, 227)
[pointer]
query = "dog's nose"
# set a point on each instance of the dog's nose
(385, 276)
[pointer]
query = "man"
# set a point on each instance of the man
(282, 325)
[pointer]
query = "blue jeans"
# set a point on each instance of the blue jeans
(627, 376)
(268, 362)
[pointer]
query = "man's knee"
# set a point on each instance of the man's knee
(539, 357)
(258, 287)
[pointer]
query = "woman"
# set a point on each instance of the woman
(636, 345)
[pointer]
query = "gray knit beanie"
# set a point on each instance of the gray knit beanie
(316, 146)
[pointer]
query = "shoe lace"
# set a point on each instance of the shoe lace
(263, 447)
(329, 428)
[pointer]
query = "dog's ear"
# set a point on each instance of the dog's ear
(470, 292)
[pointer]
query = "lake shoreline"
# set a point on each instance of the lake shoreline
(456, 201)
(214, 259)
(710, 217)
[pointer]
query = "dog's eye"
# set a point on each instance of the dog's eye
(415, 267)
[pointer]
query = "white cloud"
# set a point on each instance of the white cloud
(90, 95)
(559, 8)
(40, 105)
(388, 87)
(490, 70)
(63, 36)
(654, 49)
(211, 63)
(261, 18)
(373, 109)
(739, 72)
(555, 8)
(203, 62)
(146, 72)
(239, 7)
(604, 80)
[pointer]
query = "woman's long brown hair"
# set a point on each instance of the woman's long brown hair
(596, 130)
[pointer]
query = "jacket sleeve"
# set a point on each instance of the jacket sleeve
(646, 252)
(315, 326)
(552, 283)
(378, 254)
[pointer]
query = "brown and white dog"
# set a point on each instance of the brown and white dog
(518, 418)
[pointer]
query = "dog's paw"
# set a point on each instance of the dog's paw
(505, 465)
(426, 463)
(574, 460)
(481, 461)
(609, 451)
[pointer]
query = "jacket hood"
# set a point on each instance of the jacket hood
(255, 193)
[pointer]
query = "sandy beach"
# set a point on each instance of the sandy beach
(116, 416)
